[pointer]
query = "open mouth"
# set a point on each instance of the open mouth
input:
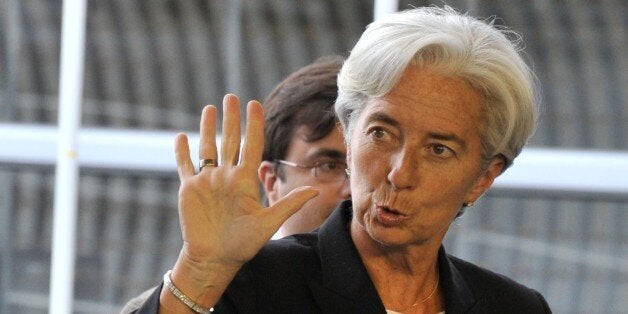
(388, 216)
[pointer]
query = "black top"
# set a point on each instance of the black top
(321, 272)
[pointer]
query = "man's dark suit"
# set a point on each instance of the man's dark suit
(321, 272)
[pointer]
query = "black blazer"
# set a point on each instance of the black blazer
(321, 272)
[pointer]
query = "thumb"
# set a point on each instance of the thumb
(291, 203)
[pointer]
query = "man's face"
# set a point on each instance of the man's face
(329, 150)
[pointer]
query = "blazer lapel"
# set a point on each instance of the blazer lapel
(345, 286)
(459, 297)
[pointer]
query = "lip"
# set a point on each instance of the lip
(389, 217)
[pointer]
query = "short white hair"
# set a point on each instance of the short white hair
(441, 39)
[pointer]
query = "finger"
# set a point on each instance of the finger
(207, 141)
(254, 137)
(291, 203)
(230, 144)
(185, 167)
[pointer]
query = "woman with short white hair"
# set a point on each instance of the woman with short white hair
(434, 105)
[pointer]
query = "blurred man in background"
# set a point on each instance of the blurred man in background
(303, 146)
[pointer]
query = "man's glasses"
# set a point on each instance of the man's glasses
(324, 171)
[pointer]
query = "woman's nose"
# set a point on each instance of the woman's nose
(403, 171)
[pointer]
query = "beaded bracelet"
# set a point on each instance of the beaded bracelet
(177, 293)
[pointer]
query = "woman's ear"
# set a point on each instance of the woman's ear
(268, 176)
(486, 179)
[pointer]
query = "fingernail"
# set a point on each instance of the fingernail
(229, 96)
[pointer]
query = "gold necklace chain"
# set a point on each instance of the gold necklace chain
(430, 295)
(433, 290)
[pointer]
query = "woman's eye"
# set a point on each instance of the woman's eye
(438, 149)
(441, 150)
(378, 132)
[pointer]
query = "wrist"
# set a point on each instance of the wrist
(202, 283)
(205, 273)
(191, 304)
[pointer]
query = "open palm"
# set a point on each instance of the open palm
(222, 220)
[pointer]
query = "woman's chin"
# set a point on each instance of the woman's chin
(387, 236)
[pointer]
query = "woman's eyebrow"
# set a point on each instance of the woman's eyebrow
(382, 117)
(449, 137)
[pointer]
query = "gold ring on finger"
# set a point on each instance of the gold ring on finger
(207, 162)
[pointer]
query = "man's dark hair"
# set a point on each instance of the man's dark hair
(304, 98)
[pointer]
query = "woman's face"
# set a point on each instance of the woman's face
(415, 158)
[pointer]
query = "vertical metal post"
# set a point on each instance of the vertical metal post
(7, 179)
(10, 15)
(66, 176)
(384, 7)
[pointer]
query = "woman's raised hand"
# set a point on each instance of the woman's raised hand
(222, 220)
